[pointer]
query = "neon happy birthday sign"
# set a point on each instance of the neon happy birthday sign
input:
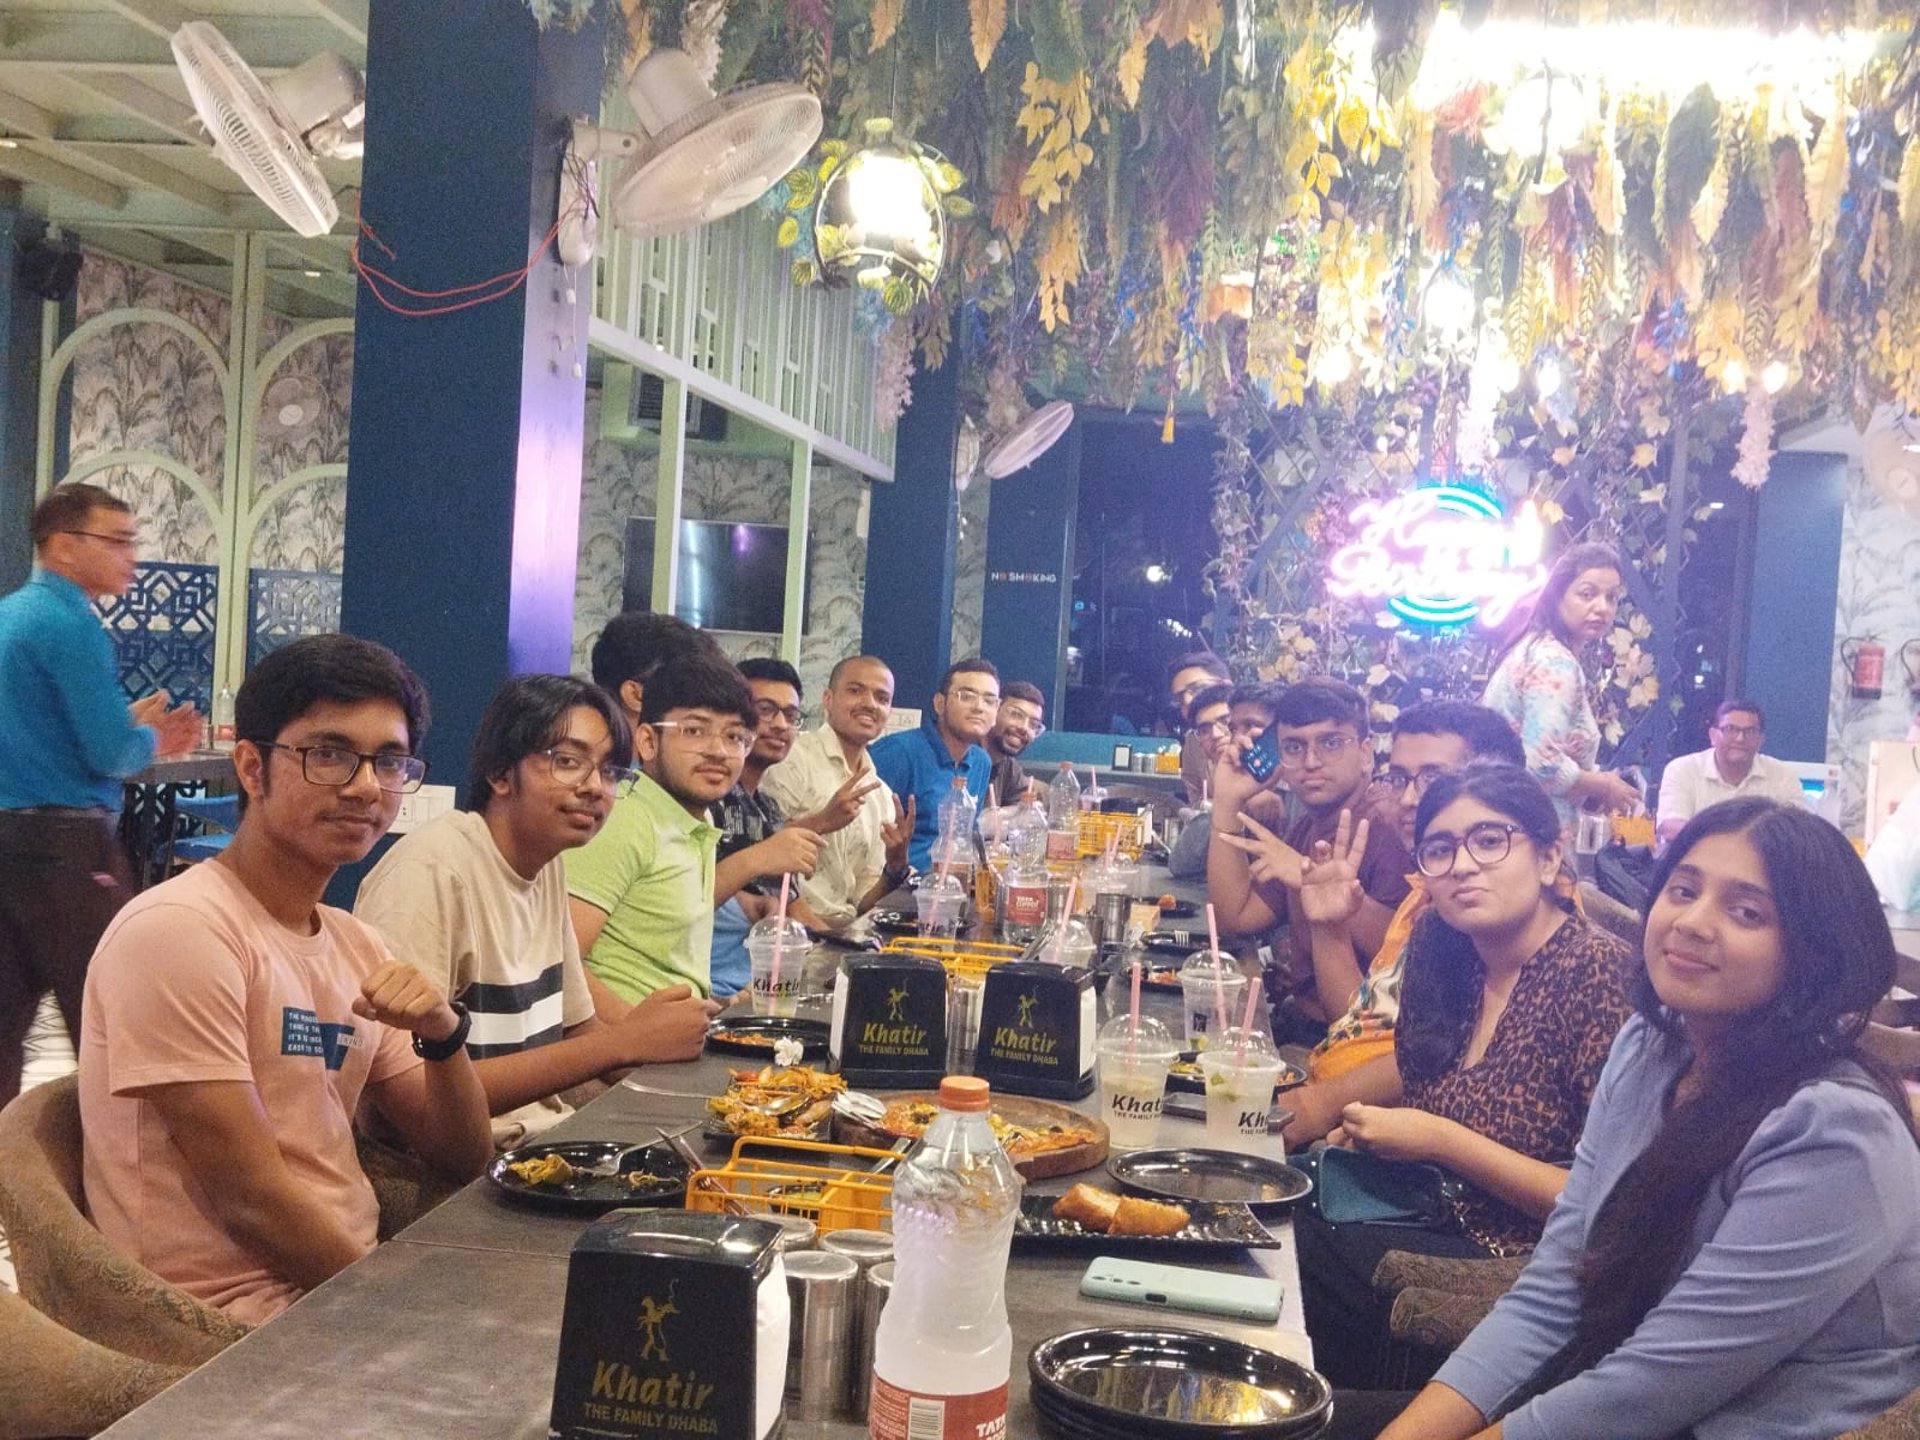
(1442, 555)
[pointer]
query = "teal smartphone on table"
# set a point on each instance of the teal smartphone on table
(1180, 1287)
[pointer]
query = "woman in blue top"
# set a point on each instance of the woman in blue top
(1736, 1252)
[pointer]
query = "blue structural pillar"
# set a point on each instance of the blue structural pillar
(19, 396)
(1795, 591)
(463, 482)
(908, 615)
(1029, 594)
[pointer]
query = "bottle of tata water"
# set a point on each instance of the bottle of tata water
(943, 1350)
(1023, 885)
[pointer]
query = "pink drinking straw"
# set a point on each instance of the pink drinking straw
(1219, 979)
(1133, 1024)
(779, 938)
(1254, 988)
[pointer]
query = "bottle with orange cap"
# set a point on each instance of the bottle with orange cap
(944, 1350)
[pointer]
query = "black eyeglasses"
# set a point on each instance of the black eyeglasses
(767, 710)
(570, 769)
(1396, 781)
(119, 542)
(1488, 842)
(1294, 752)
(337, 765)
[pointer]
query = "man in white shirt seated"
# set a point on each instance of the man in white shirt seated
(1733, 766)
(828, 771)
(477, 901)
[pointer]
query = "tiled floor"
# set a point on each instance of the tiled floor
(49, 1056)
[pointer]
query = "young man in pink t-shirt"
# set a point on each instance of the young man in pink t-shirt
(232, 1022)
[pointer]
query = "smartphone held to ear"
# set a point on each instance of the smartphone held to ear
(1261, 758)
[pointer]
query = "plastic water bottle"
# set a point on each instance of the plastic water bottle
(1023, 884)
(955, 845)
(223, 726)
(943, 1350)
(1063, 816)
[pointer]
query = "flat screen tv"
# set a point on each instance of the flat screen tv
(733, 576)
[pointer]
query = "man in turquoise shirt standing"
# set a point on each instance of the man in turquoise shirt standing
(70, 737)
(923, 762)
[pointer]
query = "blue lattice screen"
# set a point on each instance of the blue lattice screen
(283, 605)
(163, 627)
(163, 630)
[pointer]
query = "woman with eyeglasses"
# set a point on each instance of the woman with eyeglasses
(1542, 689)
(1737, 1250)
(1510, 1001)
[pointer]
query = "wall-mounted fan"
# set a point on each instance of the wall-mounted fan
(291, 404)
(1028, 440)
(269, 134)
(1891, 457)
(699, 156)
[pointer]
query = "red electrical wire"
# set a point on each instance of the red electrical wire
(497, 287)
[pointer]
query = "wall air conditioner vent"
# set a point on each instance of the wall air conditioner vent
(632, 401)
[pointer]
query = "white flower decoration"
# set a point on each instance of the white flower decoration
(788, 1052)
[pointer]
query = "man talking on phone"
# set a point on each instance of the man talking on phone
(1321, 748)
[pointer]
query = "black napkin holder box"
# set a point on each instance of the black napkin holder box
(890, 1022)
(1037, 1023)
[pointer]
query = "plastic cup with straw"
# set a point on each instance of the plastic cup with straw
(1206, 986)
(772, 967)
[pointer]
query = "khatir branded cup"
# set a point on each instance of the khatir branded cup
(1212, 985)
(1133, 1078)
(776, 958)
(938, 897)
(1240, 1069)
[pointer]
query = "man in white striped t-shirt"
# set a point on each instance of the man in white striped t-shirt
(477, 900)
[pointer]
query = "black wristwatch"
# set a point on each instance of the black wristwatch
(894, 879)
(451, 1046)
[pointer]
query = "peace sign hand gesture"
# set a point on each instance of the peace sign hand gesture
(1330, 891)
(1270, 860)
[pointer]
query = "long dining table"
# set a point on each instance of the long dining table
(453, 1327)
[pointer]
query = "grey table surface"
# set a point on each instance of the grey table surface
(452, 1329)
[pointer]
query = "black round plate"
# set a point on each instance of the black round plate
(1179, 910)
(893, 922)
(1173, 1383)
(756, 1034)
(595, 1195)
(1219, 1175)
(1195, 1083)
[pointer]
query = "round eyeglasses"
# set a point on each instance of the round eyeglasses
(337, 765)
(1395, 781)
(1293, 752)
(734, 738)
(1488, 842)
(570, 769)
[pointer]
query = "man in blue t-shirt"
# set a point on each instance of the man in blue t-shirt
(71, 739)
(923, 762)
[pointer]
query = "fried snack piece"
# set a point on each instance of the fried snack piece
(1088, 1206)
(1133, 1216)
(543, 1170)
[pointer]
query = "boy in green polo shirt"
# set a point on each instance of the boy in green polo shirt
(641, 891)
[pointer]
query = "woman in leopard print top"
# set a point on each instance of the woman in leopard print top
(1510, 1003)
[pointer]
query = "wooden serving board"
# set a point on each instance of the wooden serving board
(1017, 1110)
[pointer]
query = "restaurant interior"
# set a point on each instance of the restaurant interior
(1081, 335)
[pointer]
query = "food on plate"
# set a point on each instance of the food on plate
(1188, 1069)
(1088, 1206)
(542, 1170)
(1166, 902)
(1109, 1214)
(776, 1100)
(553, 1171)
(910, 1118)
(1134, 1216)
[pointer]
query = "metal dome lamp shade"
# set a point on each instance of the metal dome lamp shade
(880, 221)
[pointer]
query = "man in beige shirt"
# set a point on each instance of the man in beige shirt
(866, 857)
